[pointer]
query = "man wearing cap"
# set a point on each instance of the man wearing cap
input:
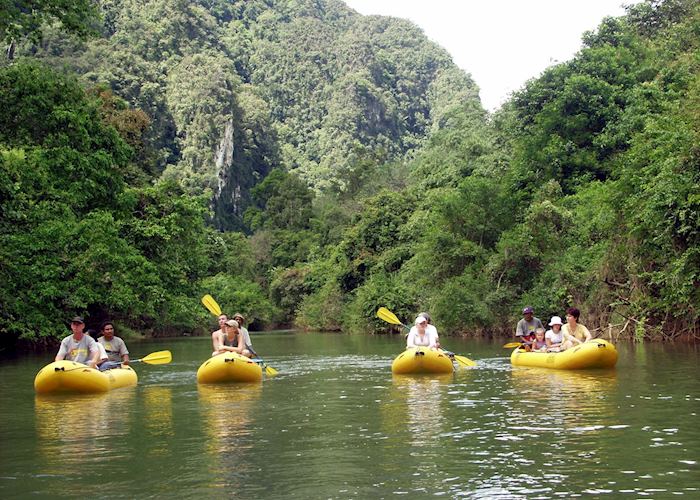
(525, 331)
(244, 335)
(79, 347)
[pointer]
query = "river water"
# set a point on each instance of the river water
(335, 423)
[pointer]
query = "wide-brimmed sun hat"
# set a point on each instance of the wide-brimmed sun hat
(556, 320)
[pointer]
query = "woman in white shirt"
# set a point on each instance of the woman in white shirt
(421, 335)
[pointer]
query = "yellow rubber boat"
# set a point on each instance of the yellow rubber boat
(72, 377)
(596, 353)
(421, 360)
(229, 367)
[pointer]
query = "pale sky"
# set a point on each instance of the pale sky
(501, 43)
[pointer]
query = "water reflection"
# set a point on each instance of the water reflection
(575, 400)
(158, 418)
(423, 396)
(413, 420)
(74, 430)
(228, 410)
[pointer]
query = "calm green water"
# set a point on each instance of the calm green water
(335, 423)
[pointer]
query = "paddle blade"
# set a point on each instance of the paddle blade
(464, 361)
(211, 305)
(512, 345)
(270, 372)
(158, 358)
(388, 316)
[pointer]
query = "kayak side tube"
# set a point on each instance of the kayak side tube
(229, 367)
(76, 378)
(421, 360)
(596, 353)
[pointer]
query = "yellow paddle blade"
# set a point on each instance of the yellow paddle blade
(270, 372)
(157, 358)
(211, 305)
(388, 316)
(512, 345)
(464, 361)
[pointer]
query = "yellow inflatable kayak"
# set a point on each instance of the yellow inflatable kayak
(596, 353)
(72, 377)
(421, 360)
(229, 367)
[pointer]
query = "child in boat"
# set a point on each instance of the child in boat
(553, 336)
(539, 344)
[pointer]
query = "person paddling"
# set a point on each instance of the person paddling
(525, 330)
(117, 353)
(421, 336)
(79, 347)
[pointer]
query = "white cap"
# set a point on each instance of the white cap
(420, 319)
(556, 320)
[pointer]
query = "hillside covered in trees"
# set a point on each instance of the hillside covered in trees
(306, 165)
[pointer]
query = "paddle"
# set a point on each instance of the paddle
(155, 358)
(512, 345)
(269, 371)
(464, 361)
(213, 307)
(389, 317)
(385, 314)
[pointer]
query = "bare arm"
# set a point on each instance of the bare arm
(95, 350)
(217, 340)
(409, 340)
(62, 351)
(95, 359)
(586, 333)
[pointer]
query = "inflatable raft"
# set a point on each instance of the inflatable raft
(229, 367)
(421, 360)
(593, 354)
(72, 377)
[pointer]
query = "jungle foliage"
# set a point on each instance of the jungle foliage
(306, 165)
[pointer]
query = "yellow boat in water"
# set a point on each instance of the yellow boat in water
(229, 367)
(596, 353)
(422, 360)
(72, 377)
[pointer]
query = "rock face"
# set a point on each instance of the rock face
(234, 89)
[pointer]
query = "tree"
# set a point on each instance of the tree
(25, 18)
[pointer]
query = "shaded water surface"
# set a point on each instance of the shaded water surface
(335, 423)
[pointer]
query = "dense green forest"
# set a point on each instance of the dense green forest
(305, 165)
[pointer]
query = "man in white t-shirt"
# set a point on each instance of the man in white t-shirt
(79, 347)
